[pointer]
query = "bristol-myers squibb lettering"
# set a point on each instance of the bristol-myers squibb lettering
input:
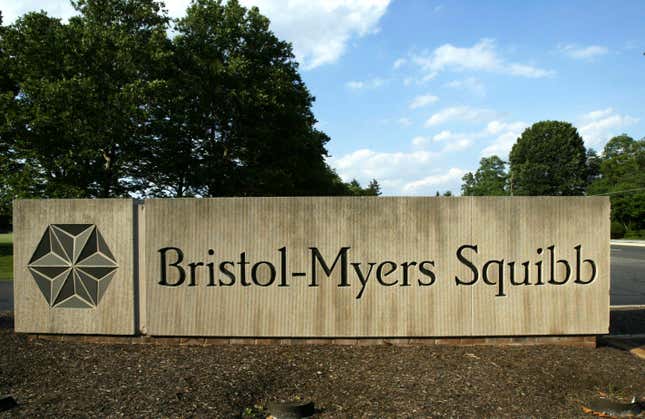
(497, 273)
(264, 273)
(542, 271)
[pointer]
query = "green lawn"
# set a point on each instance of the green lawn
(6, 257)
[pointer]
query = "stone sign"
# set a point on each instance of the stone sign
(74, 266)
(314, 267)
(377, 267)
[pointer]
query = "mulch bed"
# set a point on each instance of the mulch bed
(80, 379)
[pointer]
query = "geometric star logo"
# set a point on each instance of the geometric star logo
(72, 265)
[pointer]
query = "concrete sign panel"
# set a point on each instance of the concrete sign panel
(363, 267)
(73, 266)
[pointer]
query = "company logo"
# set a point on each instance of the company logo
(72, 265)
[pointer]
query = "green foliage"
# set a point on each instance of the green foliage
(6, 257)
(622, 177)
(489, 179)
(236, 119)
(635, 234)
(549, 158)
(110, 105)
(74, 125)
(617, 230)
(593, 165)
(372, 189)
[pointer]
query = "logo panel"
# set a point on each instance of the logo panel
(72, 265)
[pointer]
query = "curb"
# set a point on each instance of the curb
(627, 307)
(627, 243)
(630, 343)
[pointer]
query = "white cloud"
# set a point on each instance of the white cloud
(597, 127)
(405, 122)
(582, 53)
(426, 78)
(499, 137)
(454, 141)
(420, 141)
(420, 81)
(365, 164)
(11, 10)
(469, 84)
(599, 114)
(428, 184)
(459, 113)
(423, 100)
(408, 173)
(372, 83)
(524, 70)
(319, 30)
(399, 63)
(506, 134)
(483, 56)
(459, 144)
(398, 173)
(443, 135)
(503, 135)
(502, 145)
(496, 126)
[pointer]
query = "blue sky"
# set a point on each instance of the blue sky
(415, 92)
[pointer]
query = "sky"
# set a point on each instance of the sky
(414, 93)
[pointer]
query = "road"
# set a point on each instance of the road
(6, 295)
(627, 275)
(627, 278)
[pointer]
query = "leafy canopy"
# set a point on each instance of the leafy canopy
(622, 177)
(109, 104)
(549, 158)
(489, 179)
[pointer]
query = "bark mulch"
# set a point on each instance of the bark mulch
(80, 379)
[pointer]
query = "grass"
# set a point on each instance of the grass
(6, 257)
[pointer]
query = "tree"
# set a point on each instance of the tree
(74, 127)
(372, 189)
(489, 179)
(622, 177)
(8, 90)
(237, 114)
(549, 158)
(109, 105)
(593, 166)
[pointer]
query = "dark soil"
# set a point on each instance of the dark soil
(80, 379)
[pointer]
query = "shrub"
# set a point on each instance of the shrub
(617, 230)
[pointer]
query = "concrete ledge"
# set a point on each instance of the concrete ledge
(580, 340)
